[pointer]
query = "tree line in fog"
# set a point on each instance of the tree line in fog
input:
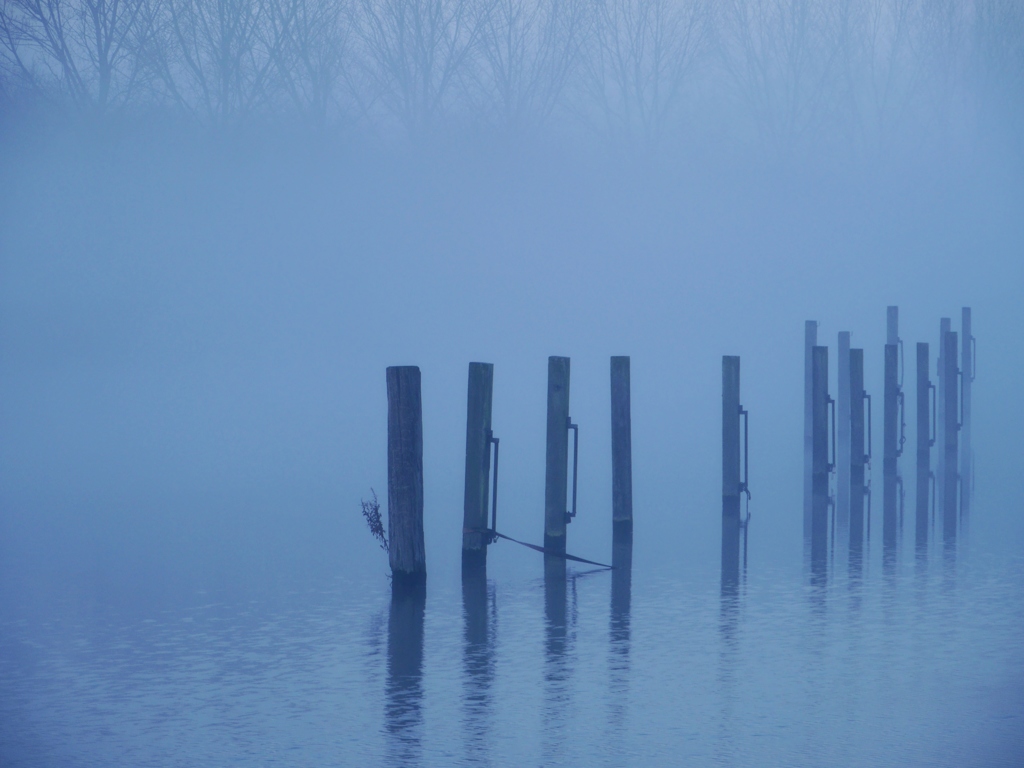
(641, 71)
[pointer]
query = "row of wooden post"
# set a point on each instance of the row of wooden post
(850, 434)
(405, 467)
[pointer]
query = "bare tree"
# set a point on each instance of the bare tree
(528, 51)
(881, 68)
(640, 56)
(781, 60)
(86, 49)
(997, 61)
(413, 52)
(215, 57)
(310, 61)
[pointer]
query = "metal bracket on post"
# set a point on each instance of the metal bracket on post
(745, 485)
(492, 535)
(900, 385)
(832, 411)
(903, 423)
(867, 456)
(960, 380)
(575, 464)
(934, 426)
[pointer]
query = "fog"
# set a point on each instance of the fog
(199, 298)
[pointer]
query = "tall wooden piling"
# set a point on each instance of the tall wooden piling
(924, 445)
(859, 455)
(478, 465)
(945, 326)
(622, 447)
(810, 340)
(556, 465)
(890, 446)
(405, 477)
(966, 454)
(820, 452)
(843, 438)
(951, 432)
(731, 480)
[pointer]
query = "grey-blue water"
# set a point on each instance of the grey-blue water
(921, 664)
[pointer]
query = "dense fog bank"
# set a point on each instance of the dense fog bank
(195, 323)
(861, 75)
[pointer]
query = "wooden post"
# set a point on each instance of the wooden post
(950, 497)
(821, 466)
(622, 446)
(556, 482)
(731, 479)
(405, 477)
(966, 455)
(843, 439)
(890, 439)
(940, 426)
(924, 445)
(892, 325)
(859, 451)
(731, 437)
(810, 340)
(478, 465)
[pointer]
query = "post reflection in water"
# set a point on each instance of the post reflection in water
(403, 694)
(619, 636)
(556, 662)
(727, 624)
(480, 621)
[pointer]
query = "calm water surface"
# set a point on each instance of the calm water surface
(917, 664)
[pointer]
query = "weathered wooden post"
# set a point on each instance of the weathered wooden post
(951, 432)
(843, 440)
(556, 481)
(732, 483)
(940, 425)
(478, 465)
(967, 377)
(860, 455)
(810, 340)
(890, 447)
(405, 478)
(622, 449)
(622, 505)
(822, 467)
(925, 439)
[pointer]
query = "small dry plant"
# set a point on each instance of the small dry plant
(371, 513)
